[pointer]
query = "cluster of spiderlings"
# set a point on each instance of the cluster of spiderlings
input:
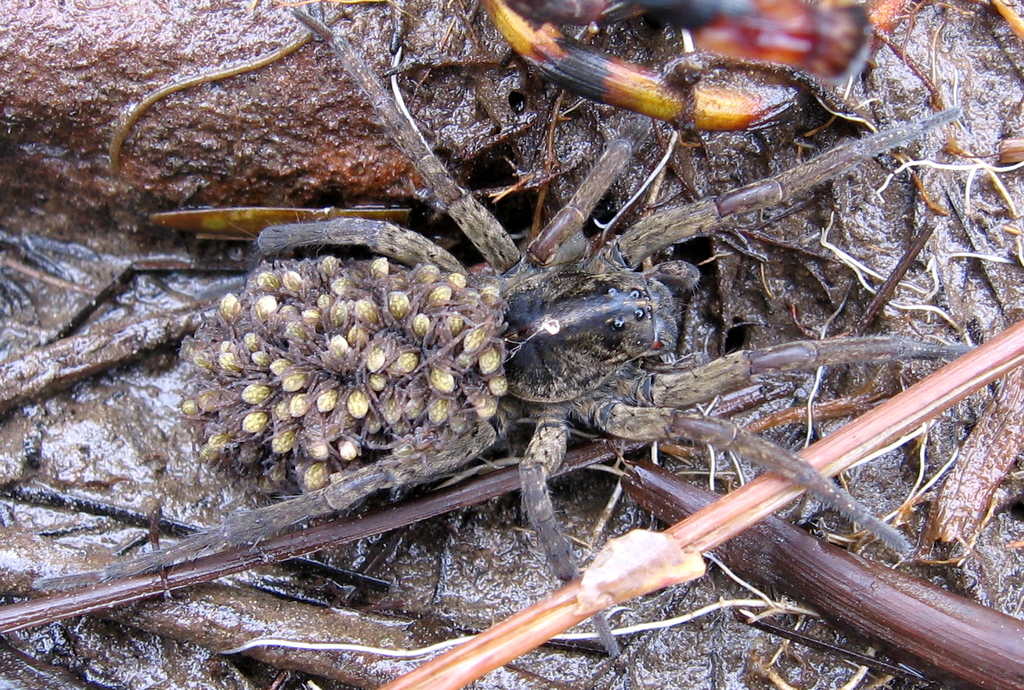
(319, 362)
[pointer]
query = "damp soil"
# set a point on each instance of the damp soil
(295, 133)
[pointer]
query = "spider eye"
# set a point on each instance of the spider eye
(639, 314)
(618, 323)
(612, 292)
(635, 294)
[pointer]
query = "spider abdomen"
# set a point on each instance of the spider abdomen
(318, 361)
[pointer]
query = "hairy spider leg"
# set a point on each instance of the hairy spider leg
(482, 229)
(670, 226)
(543, 456)
(561, 240)
(157, 524)
(739, 369)
(381, 237)
(828, 40)
(253, 526)
(669, 424)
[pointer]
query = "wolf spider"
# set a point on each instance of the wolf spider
(590, 341)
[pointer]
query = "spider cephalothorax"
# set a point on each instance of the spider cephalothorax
(570, 329)
(370, 375)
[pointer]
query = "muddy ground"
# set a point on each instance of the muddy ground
(294, 133)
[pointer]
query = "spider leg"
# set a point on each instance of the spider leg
(663, 229)
(254, 526)
(663, 423)
(738, 369)
(482, 229)
(555, 243)
(381, 237)
(544, 455)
